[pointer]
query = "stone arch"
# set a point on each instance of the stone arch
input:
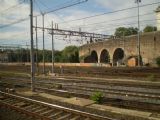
(118, 57)
(132, 61)
(87, 59)
(92, 58)
(104, 56)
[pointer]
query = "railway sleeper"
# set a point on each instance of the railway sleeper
(76, 118)
(23, 111)
(36, 108)
(56, 114)
(41, 110)
(29, 106)
(65, 117)
(46, 113)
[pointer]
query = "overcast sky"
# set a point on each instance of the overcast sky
(105, 24)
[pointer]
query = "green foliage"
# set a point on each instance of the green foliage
(122, 31)
(69, 54)
(97, 97)
(18, 55)
(83, 57)
(151, 77)
(150, 28)
(158, 61)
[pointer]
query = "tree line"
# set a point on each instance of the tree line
(68, 54)
(123, 31)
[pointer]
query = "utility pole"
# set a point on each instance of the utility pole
(36, 48)
(32, 49)
(52, 50)
(27, 52)
(138, 42)
(125, 62)
(43, 45)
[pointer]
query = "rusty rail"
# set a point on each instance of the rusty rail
(43, 110)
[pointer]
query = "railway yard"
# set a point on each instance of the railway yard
(67, 95)
(80, 60)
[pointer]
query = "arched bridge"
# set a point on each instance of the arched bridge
(122, 51)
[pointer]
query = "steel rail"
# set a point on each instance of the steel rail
(53, 106)
(117, 91)
(112, 95)
(128, 91)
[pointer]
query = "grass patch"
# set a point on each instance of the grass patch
(97, 97)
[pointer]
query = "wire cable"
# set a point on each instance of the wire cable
(120, 10)
(14, 6)
(124, 18)
(47, 12)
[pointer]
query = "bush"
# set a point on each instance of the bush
(97, 97)
(158, 61)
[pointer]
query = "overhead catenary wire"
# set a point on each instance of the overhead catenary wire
(101, 28)
(54, 13)
(14, 6)
(67, 6)
(46, 12)
(106, 21)
(119, 24)
(85, 25)
(15, 22)
(105, 13)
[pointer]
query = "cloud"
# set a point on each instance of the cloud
(105, 24)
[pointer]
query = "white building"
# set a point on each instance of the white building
(158, 18)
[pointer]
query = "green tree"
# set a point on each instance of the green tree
(57, 56)
(70, 54)
(150, 28)
(125, 31)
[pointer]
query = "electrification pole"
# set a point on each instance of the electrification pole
(27, 53)
(43, 45)
(36, 48)
(32, 49)
(52, 50)
(138, 42)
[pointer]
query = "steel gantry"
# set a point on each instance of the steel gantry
(57, 31)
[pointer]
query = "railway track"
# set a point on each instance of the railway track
(44, 111)
(123, 94)
(82, 88)
(115, 91)
(141, 90)
(140, 94)
(87, 80)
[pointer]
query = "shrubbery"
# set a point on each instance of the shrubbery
(97, 97)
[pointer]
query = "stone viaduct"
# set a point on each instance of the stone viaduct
(122, 51)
